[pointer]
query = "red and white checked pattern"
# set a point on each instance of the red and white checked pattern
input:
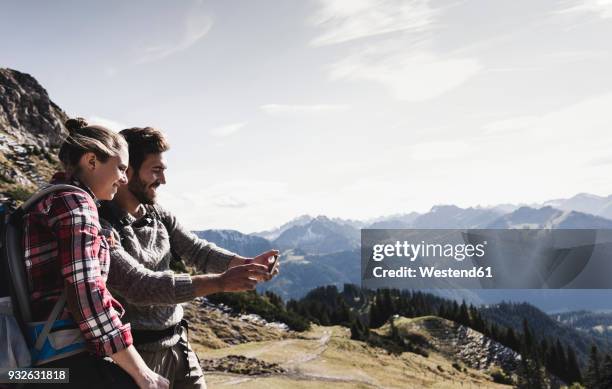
(64, 247)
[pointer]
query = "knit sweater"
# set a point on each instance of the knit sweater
(140, 274)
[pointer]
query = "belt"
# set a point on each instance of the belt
(141, 337)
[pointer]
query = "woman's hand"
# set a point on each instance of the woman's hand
(151, 380)
(130, 361)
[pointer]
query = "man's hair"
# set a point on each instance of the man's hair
(143, 141)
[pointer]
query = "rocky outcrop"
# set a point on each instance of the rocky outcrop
(481, 352)
(31, 130)
(214, 326)
(455, 341)
(239, 364)
(26, 112)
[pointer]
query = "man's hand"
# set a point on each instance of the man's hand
(242, 277)
(270, 260)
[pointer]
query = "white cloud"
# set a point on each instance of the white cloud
(249, 205)
(273, 109)
(195, 27)
(591, 118)
(108, 123)
(514, 125)
(403, 60)
(431, 151)
(409, 75)
(571, 142)
(227, 130)
(229, 201)
(601, 7)
(347, 20)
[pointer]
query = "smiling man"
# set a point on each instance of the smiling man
(150, 238)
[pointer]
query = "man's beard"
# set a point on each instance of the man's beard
(139, 189)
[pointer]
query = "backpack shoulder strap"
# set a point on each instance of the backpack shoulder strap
(14, 251)
(55, 313)
(46, 191)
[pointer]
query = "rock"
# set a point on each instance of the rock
(31, 129)
(26, 112)
(239, 364)
(216, 326)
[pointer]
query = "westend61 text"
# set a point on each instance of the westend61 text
(432, 272)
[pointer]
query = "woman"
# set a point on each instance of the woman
(66, 250)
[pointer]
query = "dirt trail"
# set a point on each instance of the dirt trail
(307, 357)
(298, 358)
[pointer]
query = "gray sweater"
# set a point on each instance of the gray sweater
(140, 275)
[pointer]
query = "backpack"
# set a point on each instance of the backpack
(25, 342)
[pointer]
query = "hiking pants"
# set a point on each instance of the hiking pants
(179, 364)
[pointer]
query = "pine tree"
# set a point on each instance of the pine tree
(573, 369)
(375, 316)
(527, 344)
(605, 380)
(442, 312)
(464, 316)
(494, 331)
(275, 299)
(454, 313)
(324, 318)
(388, 306)
(531, 375)
(511, 340)
(359, 331)
(560, 366)
(343, 315)
(593, 373)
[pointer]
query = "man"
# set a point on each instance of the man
(140, 272)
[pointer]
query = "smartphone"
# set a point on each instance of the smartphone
(272, 263)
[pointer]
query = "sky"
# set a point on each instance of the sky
(346, 108)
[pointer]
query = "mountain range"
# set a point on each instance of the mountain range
(320, 251)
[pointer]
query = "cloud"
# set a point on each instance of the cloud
(227, 130)
(273, 109)
(195, 26)
(601, 7)
(514, 125)
(601, 161)
(347, 20)
(402, 59)
(108, 123)
(590, 117)
(409, 75)
(567, 139)
(432, 151)
(249, 205)
(229, 201)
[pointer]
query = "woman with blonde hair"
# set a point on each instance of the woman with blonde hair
(67, 257)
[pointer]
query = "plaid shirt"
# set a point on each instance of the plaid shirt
(65, 247)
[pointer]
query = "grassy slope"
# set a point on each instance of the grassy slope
(326, 356)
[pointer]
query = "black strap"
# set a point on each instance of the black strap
(141, 337)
